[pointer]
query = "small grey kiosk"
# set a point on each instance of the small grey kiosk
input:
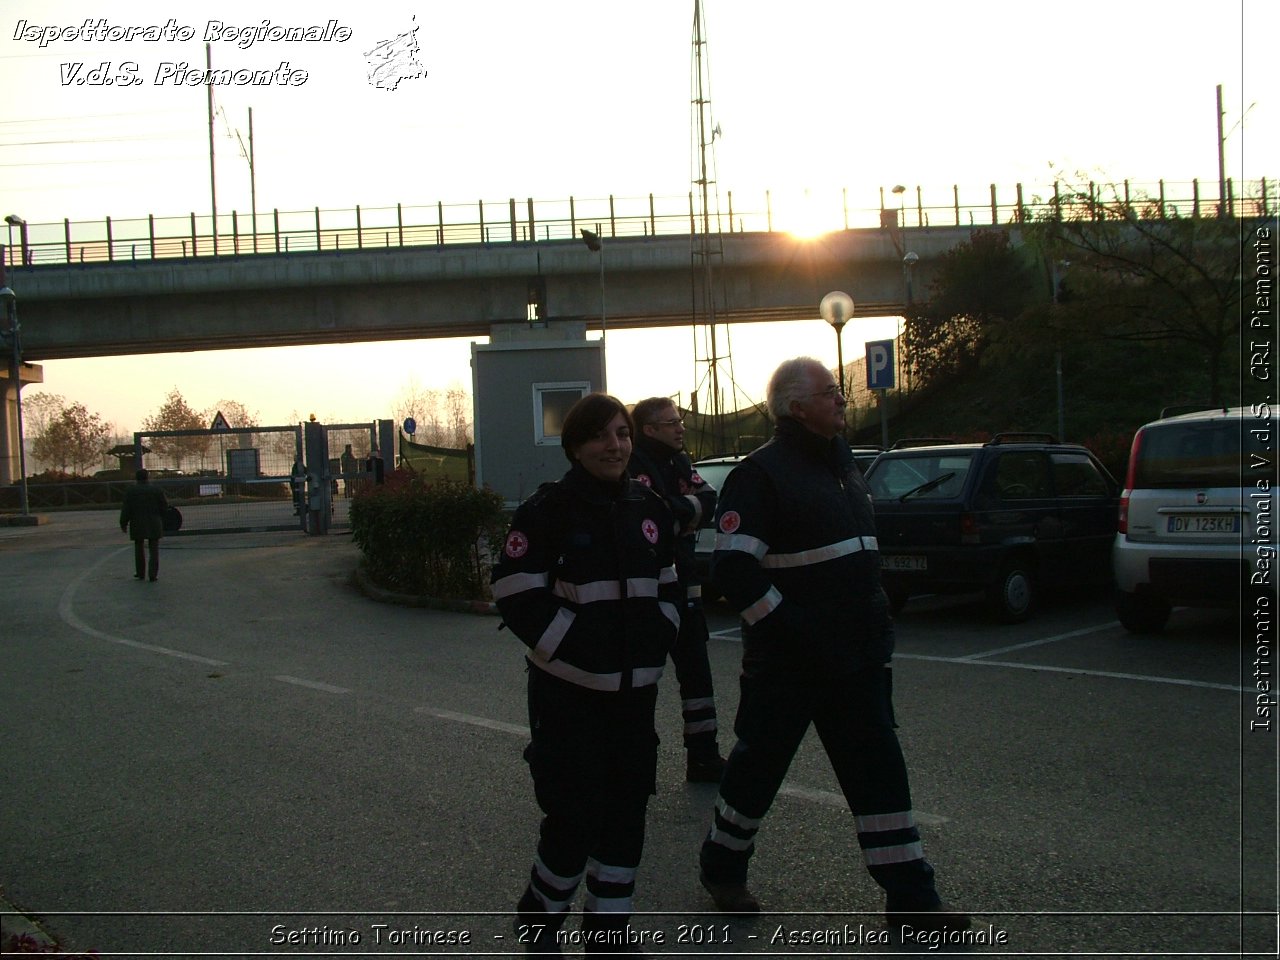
(524, 380)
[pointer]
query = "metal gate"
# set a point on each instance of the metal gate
(241, 479)
(228, 480)
(342, 458)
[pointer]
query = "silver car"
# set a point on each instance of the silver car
(1188, 516)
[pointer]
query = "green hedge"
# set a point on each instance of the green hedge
(433, 538)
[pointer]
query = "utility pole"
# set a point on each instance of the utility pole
(1222, 161)
(213, 182)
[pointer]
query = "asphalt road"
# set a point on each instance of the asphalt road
(249, 757)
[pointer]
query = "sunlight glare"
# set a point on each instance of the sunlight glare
(806, 217)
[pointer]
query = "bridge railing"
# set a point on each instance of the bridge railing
(522, 221)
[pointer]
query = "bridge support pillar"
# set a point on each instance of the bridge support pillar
(9, 461)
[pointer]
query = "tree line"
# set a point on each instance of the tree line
(67, 439)
(1138, 304)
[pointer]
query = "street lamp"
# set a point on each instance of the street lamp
(595, 243)
(909, 261)
(10, 301)
(837, 309)
(13, 220)
(1058, 272)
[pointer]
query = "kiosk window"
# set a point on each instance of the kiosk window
(551, 402)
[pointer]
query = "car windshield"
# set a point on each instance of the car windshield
(1190, 454)
(930, 476)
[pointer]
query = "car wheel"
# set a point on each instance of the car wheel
(1013, 597)
(898, 596)
(1141, 614)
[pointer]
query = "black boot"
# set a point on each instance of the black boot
(704, 763)
(535, 928)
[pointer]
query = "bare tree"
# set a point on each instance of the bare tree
(38, 410)
(1140, 271)
(235, 413)
(443, 417)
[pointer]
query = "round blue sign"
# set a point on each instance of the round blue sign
(410, 426)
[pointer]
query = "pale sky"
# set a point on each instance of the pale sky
(590, 98)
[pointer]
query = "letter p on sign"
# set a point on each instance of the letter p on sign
(880, 365)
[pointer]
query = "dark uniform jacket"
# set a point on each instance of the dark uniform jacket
(143, 512)
(586, 579)
(692, 500)
(796, 554)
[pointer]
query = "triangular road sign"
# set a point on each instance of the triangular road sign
(219, 422)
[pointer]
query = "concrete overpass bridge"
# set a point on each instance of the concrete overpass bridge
(456, 290)
(173, 284)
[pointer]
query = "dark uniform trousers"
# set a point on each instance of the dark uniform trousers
(853, 715)
(693, 676)
(141, 556)
(593, 758)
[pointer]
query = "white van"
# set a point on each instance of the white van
(1197, 488)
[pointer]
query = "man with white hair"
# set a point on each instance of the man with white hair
(796, 554)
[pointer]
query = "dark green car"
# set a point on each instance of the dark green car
(1012, 518)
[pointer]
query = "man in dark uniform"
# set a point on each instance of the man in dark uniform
(796, 554)
(142, 517)
(659, 461)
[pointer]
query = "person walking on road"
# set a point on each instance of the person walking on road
(142, 518)
(586, 580)
(660, 463)
(796, 554)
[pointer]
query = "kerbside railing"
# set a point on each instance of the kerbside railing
(487, 222)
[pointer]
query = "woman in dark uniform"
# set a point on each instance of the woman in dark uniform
(587, 581)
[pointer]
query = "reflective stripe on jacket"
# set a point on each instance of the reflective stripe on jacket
(796, 554)
(587, 580)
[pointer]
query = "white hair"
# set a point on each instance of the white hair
(791, 381)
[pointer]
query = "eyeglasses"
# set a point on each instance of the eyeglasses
(677, 422)
(830, 393)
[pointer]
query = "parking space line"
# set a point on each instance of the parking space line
(832, 798)
(1084, 631)
(312, 684)
(1176, 681)
(472, 720)
(68, 616)
(828, 798)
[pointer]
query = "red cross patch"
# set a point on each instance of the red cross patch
(650, 530)
(517, 545)
(730, 521)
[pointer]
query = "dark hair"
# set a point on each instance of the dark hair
(141, 476)
(588, 417)
(644, 412)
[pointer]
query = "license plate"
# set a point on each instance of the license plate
(1204, 523)
(903, 563)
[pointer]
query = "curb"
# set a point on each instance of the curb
(23, 519)
(374, 592)
(18, 930)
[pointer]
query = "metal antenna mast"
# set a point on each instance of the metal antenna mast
(707, 251)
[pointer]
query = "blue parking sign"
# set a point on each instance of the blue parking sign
(880, 367)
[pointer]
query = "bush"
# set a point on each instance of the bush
(428, 537)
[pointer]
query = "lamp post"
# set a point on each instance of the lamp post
(13, 334)
(13, 220)
(595, 243)
(909, 261)
(1058, 270)
(837, 309)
